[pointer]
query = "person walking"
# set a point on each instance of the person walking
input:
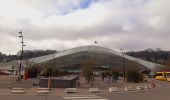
(113, 77)
(103, 75)
(109, 76)
(116, 76)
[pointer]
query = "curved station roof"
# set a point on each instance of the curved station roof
(94, 49)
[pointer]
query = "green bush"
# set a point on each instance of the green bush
(32, 72)
(134, 76)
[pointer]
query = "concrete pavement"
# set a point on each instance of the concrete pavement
(161, 91)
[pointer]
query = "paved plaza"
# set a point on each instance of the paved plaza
(161, 91)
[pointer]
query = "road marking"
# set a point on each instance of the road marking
(83, 97)
(91, 99)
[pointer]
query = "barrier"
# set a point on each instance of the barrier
(140, 88)
(18, 90)
(94, 90)
(128, 89)
(113, 89)
(43, 90)
(147, 87)
(70, 90)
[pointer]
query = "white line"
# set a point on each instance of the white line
(93, 99)
(82, 97)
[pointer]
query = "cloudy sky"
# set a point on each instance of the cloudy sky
(63, 24)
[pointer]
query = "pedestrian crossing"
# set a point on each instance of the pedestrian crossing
(83, 97)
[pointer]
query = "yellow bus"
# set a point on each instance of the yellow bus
(168, 76)
(165, 76)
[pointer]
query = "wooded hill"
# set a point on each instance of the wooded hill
(153, 55)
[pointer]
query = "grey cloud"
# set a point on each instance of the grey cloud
(115, 24)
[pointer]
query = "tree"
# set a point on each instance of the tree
(166, 67)
(87, 71)
(48, 72)
(133, 66)
(32, 72)
(154, 55)
(134, 76)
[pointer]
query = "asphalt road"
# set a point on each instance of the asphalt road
(161, 92)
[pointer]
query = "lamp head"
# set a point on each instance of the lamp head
(20, 32)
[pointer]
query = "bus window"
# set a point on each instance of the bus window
(159, 74)
(168, 75)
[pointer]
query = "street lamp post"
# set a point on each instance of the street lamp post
(21, 57)
(54, 67)
(123, 65)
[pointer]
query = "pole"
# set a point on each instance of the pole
(124, 70)
(49, 82)
(123, 65)
(54, 67)
(21, 57)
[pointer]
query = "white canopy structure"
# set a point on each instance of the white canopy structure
(97, 49)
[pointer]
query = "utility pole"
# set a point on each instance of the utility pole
(21, 56)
